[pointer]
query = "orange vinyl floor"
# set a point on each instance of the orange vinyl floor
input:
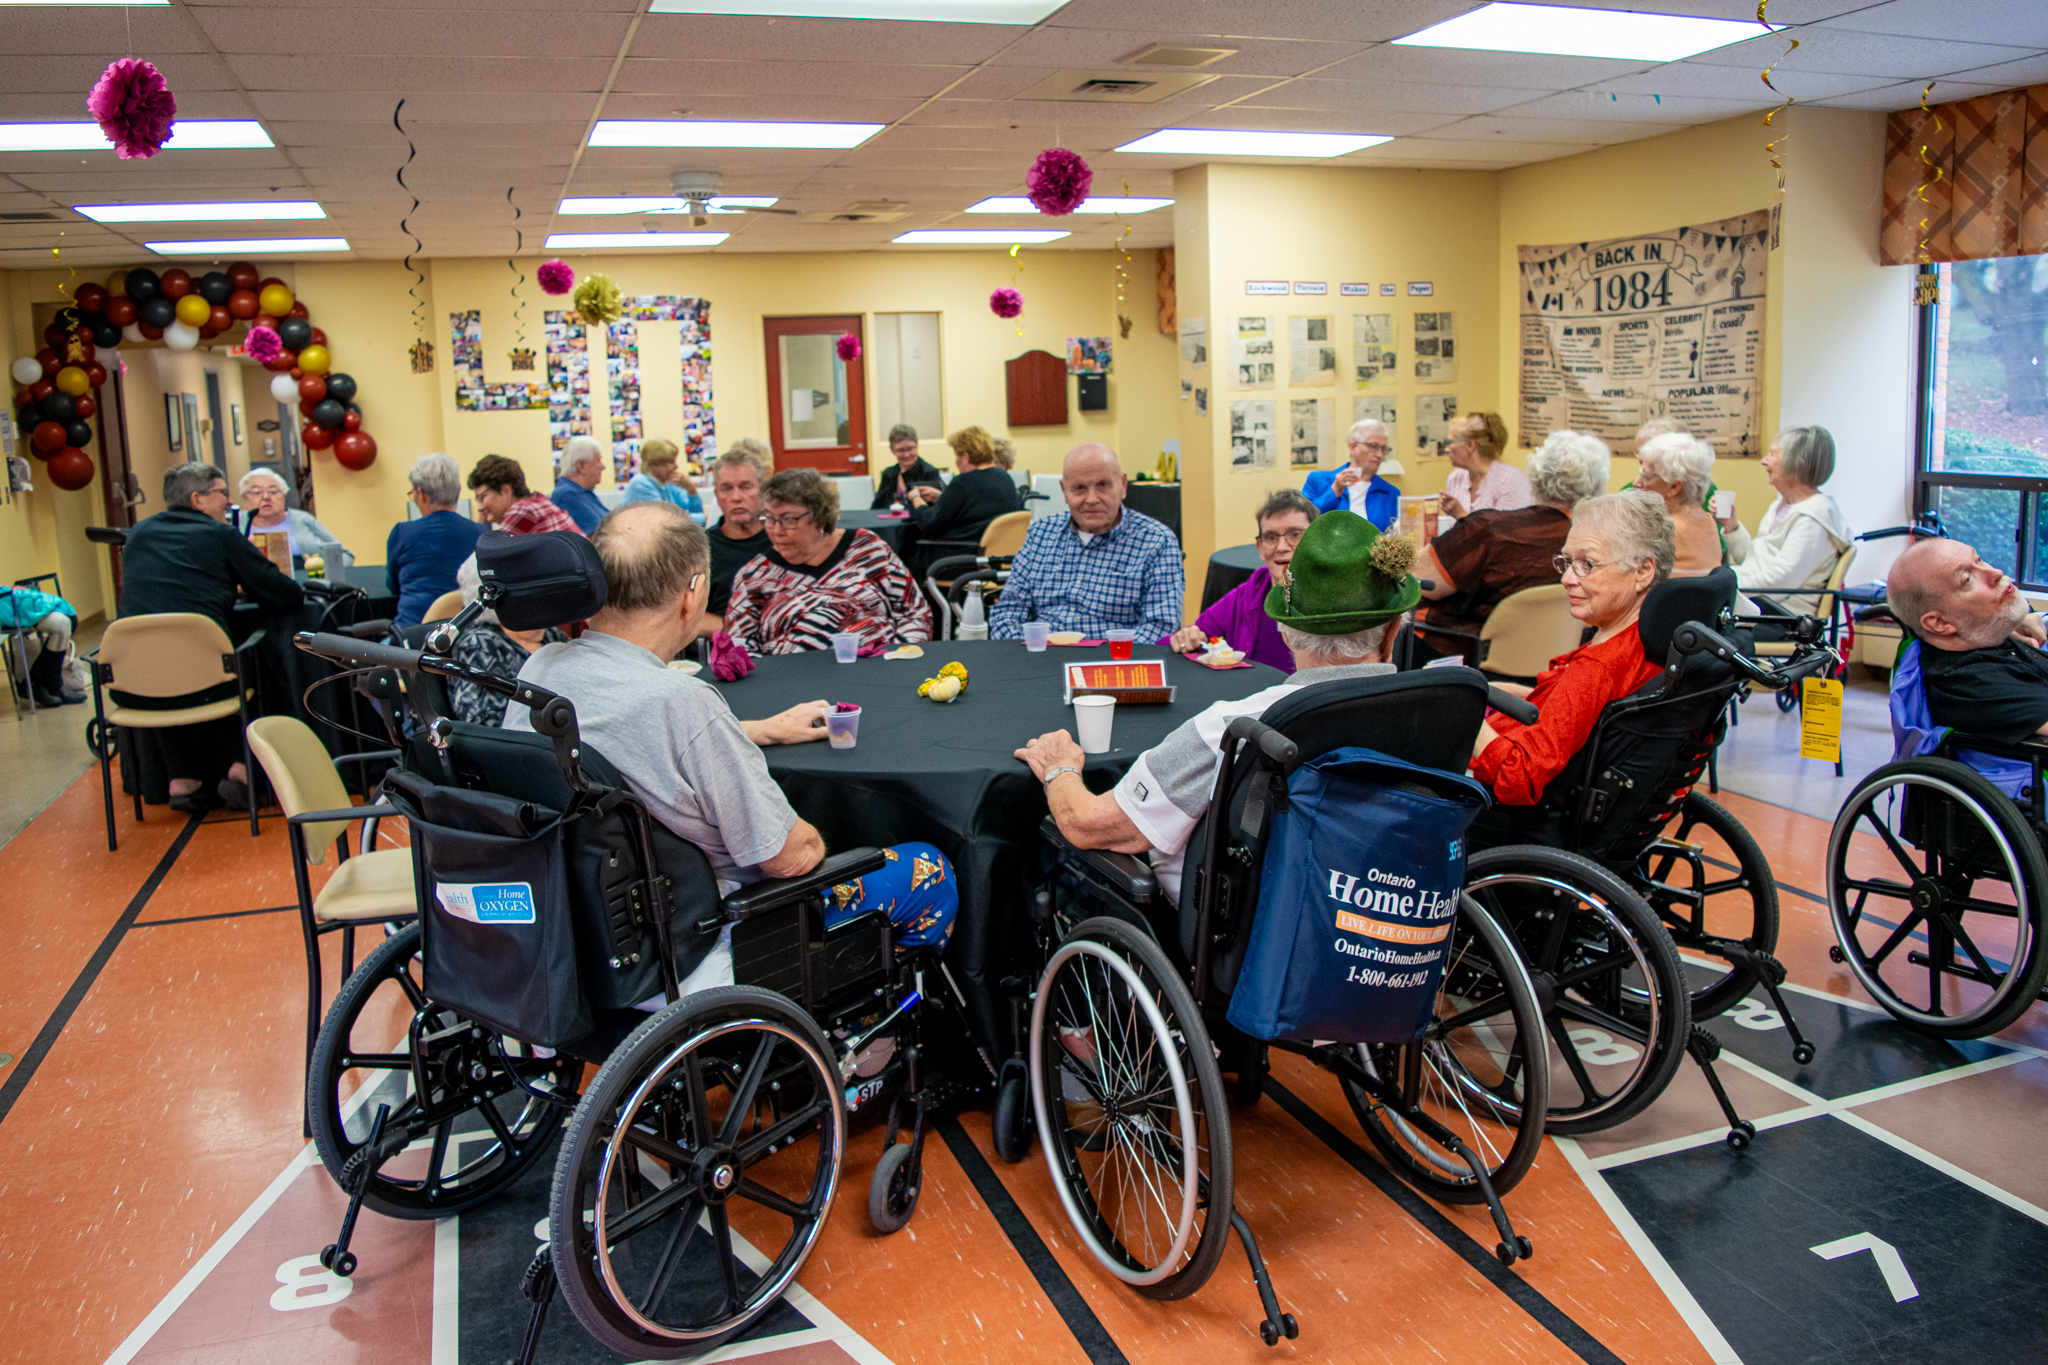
(158, 1204)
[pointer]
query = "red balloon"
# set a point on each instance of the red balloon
(355, 450)
(91, 297)
(319, 337)
(85, 405)
(48, 438)
(50, 361)
(151, 333)
(53, 335)
(242, 304)
(221, 319)
(306, 405)
(263, 320)
(351, 421)
(243, 276)
(71, 469)
(296, 374)
(41, 389)
(312, 388)
(95, 373)
(284, 364)
(86, 350)
(209, 332)
(298, 311)
(175, 283)
(120, 311)
(267, 281)
(315, 436)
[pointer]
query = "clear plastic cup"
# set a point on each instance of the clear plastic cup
(842, 728)
(1093, 719)
(1120, 642)
(1034, 636)
(846, 648)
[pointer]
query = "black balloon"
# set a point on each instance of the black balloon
(159, 312)
(28, 417)
(215, 286)
(70, 319)
(328, 413)
(341, 387)
(59, 406)
(295, 333)
(105, 335)
(78, 434)
(143, 286)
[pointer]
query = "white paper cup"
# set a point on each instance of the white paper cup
(842, 728)
(1092, 722)
(1034, 636)
(1724, 504)
(846, 647)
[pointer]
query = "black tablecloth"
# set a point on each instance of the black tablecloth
(1228, 568)
(946, 774)
(899, 533)
(368, 579)
(1160, 501)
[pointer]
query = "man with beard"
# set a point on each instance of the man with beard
(1980, 659)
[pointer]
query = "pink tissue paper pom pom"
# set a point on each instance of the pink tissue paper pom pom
(263, 345)
(556, 277)
(1006, 303)
(849, 347)
(1058, 181)
(134, 108)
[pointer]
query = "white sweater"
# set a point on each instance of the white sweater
(1798, 549)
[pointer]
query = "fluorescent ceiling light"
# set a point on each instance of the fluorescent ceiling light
(248, 246)
(258, 212)
(636, 132)
(1224, 142)
(573, 241)
(195, 135)
(721, 203)
(83, 4)
(1567, 31)
(909, 11)
(978, 237)
(1017, 203)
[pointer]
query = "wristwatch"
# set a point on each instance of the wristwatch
(1063, 768)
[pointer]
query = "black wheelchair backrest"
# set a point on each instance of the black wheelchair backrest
(1677, 600)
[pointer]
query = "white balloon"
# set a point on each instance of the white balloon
(284, 388)
(27, 370)
(179, 337)
(133, 332)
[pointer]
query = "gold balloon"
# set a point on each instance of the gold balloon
(74, 381)
(194, 310)
(275, 300)
(315, 360)
(117, 284)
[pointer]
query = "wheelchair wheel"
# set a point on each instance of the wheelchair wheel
(1130, 1109)
(1482, 1073)
(715, 1129)
(1936, 884)
(1614, 996)
(473, 1132)
(1701, 901)
(99, 739)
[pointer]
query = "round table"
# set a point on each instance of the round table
(946, 774)
(890, 529)
(1228, 568)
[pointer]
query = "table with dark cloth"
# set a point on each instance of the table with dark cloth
(898, 533)
(945, 773)
(1228, 568)
(369, 580)
(1160, 501)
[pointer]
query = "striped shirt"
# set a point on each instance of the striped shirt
(1128, 577)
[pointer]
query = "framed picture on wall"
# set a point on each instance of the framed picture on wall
(174, 426)
(235, 417)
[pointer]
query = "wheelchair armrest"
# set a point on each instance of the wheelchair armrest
(767, 895)
(370, 757)
(1129, 876)
(322, 817)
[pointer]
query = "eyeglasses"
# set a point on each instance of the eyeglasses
(1269, 539)
(788, 522)
(1583, 567)
(1381, 446)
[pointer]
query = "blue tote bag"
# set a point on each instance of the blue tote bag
(1357, 901)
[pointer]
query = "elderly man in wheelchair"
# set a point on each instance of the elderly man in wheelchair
(613, 880)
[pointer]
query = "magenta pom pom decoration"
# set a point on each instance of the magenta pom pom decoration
(134, 107)
(1058, 181)
(1006, 303)
(556, 277)
(849, 347)
(263, 345)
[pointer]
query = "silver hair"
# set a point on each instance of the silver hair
(748, 451)
(1331, 649)
(1633, 525)
(1364, 427)
(261, 472)
(1807, 454)
(1569, 467)
(1680, 458)
(438, 476)
(181, 481)
(580, 451)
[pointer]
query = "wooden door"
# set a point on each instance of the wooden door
(817, 402)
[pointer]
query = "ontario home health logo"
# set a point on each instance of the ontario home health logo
(1392, 898)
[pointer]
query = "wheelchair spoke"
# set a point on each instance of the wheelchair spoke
(671, 1256)
(1891, 840)
(660, 1148)
(1562, 1035)
(693, 1094)
(1954, 925)
(756, 1147)
(647, 1212)
(413, 993)
(728, 1270)
(1578, 1011)
(489, 1109)
(439, 1156)
(382, 1061)
(1881, 886)
(743, 1094)
(769, 1199)
(1492, 1007)
(1898, 936)
(1598, 967)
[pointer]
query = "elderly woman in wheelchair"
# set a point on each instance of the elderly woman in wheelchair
(564, 894)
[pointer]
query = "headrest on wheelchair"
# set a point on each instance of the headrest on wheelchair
(543, 580)
(1677, 600)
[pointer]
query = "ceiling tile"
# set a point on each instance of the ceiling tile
(683, 81)
(2005, 76)
(535, 106)
(445, 75)
(1055, 48)
(1739, 84)
(1906, 94)
(1543, 130)
(1453, 152)
(802, 106)
(1310, 121)
(1860, 54)
(775, 41)
(1361, 21)
(2022, 24)
(1603, 105)
(103, 33)
(1373, 97)
(1512, 70)
(76, 74)
(475, 31)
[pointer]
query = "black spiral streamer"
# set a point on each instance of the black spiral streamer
(511, 263)
(419, 305)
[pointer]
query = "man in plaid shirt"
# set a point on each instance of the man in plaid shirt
(503, 500)
(1101, 567)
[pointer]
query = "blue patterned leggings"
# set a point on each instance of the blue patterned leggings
(916, 888)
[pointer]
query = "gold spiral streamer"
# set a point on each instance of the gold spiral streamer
(511, 264)
(1016, 275)
(419, 305)
(57, 255)
(1920, 190)
(1775, 148)
(1123, 319)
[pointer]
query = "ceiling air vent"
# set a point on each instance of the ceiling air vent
(1167, 54)
(863, 211)
(1111, 87)
(36, 217)
(1104, 88)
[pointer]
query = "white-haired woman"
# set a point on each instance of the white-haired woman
(1357, 486)
(1468, 569)
(1621, 545)
(1803, 532)
(421, 555)
(263, 496)
(1679, 468)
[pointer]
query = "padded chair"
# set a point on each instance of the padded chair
(444, 608)
(1784, 649)
(1005, 535)
(145, 662)
(1522, 634)
(375, 886)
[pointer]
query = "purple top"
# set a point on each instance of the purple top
(1239, 616)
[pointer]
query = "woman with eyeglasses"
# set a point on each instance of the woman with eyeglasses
(1480, 481)
(1621, 545)
(1467, 570)
(817, 579)
(1239, 616)
(1357, 486)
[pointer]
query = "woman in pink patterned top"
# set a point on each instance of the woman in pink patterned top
(815, 581)
(1482, 481)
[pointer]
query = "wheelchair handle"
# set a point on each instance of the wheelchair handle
(1513, 707)
(353, 653)
(1694, 638)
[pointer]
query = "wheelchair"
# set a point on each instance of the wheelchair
(698, 1164)
(1127, 1040)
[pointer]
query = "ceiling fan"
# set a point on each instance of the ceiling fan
(698, 188)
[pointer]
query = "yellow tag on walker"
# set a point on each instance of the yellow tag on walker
(1820, 719)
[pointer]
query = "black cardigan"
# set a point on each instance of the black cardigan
(888, 491)
(973, 500)
(183, 560)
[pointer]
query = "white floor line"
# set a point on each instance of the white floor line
(1711, 1341)
(1706, 1137)
(1947, 1168)
(447, 1339)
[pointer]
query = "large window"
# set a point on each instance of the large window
(1983, 448)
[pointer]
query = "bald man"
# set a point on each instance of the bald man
(1101, 567)
(1980, 659)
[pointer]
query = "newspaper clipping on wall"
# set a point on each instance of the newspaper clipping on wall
(1194, 341)
(1251, 354)
(1308, 420)
(1312, 359)
(1251, 434)
(1665, 324)
(1380, 410)
(1372, 351)
(1434, 413)
(1436, 353)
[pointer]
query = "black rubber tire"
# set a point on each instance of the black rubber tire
(99, 739)
(890, 1207)
(533, 1122)
(1010, 1126)
(1739, 905)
